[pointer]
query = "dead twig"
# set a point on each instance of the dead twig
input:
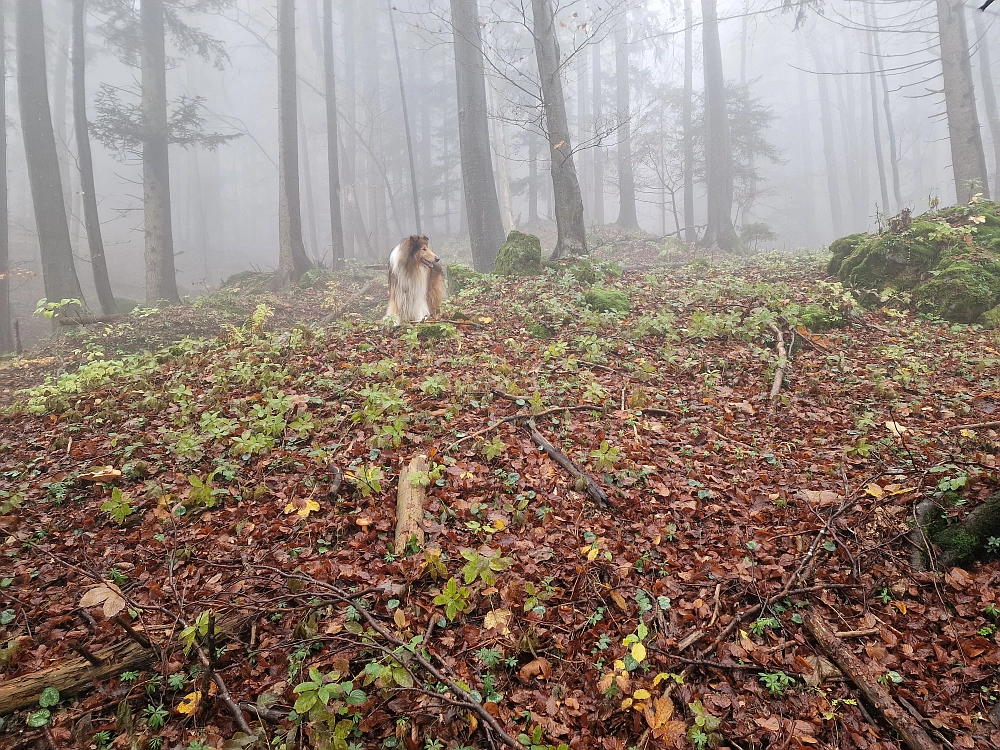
(583, 480)
(976, 426)
(912, 733)
(779, 374)
(516, 418)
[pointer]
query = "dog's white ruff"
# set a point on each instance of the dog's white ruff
(409, 302)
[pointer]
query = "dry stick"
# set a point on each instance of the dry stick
(977, 426)
(912, 733)
(515, 418)
(224, 693)
(134, 634)
(464, 696)
(595, 493)
(779, 374)
(85, 653)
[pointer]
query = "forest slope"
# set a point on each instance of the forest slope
(250, 481)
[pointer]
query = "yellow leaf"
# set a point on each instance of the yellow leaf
(189, 703)
(499, 525)
(626, 703)
(619, 665)
(638, 652)
(486, 320)
(497, 618)
(969, 434)
(303, 506)
(660, 678)
(592, 554)
(399, 618)
(641, 695)
(874, 490)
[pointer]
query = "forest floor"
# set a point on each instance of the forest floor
(230, 502)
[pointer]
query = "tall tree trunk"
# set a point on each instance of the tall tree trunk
(352, 232)
(968, 160)
(58, 271)
(598, 108)
(406, 124)
(378, 223)
(499, 137)
(332, 139)
(98, 262)
(829, 145)
(482, 206)
(582, 123)
(571, 234)
(751, 158)
(720, 232)
(311, 235)
(293, 261)
(876, 127)
(60, 80)
(890, 130)
(425, 150)
(626, 178)
(989, 96)
(6, 336)
(532, 177)
(161, 276)
(690, 232)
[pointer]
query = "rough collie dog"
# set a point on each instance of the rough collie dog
(416, 281)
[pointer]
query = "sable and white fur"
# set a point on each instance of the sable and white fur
(416, 281)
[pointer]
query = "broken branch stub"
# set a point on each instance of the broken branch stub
(410, 497)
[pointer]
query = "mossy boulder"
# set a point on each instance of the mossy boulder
(459, 277)
(991, 318)
(969, 539)
(606, 300)
(520, 255)
(583, 271)
(949, 260)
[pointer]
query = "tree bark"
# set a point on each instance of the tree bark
(95, 241)
(829, 146)
(482, 206)
(627, 217)
(571, 234)
(532, 178)
(352, 233)
(582, 120)
(293, 261)
(598, 108)
(968, 160)
(58, 270)
(332, 139)
(720, 232)
(690, 232)
(310, 234)
(989, 96)
(161, 276)
(6, 334)
(406, 124)
(876, 127)
(887, 107)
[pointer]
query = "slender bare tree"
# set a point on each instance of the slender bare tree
(690, 231)
(332, 139)
(482, 206)
(6, 336)
(571, 232)
(98, 262)
(293, 261)
(627, 216)
(58, 270)
(989, 96)
(720, 231)
(968, 160)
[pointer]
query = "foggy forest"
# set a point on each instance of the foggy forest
(457, 374)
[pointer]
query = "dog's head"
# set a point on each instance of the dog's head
(420, 252)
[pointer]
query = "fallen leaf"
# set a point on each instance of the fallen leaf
(399, 617)
(303, 506)
(106, 594)
(896, 429)
(539, 667)
(189, 703)
(638, 652)
(497, 618)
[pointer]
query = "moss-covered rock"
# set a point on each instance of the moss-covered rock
(818, 318)
(540, 331)
(520, 255)
(991, 318)
(606, 300)
(948, 259)
(583, 271)
(969, 539)
(459, 277)
(841, 249)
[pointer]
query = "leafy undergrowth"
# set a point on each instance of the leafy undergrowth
(247, 485)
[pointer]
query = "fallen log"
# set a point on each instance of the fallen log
(410, 497)
(73, 675)
(594, 492)
(855, 670)
(779, 374)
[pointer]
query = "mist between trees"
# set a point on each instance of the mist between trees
(152, 149)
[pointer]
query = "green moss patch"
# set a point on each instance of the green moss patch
(459, 277)
(606, 300)
(520, 255)
(949, 260)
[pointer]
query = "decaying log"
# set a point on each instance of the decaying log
(594, 492)
(840, 654)
(410, 505)
(779, 374)
(73, 675)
